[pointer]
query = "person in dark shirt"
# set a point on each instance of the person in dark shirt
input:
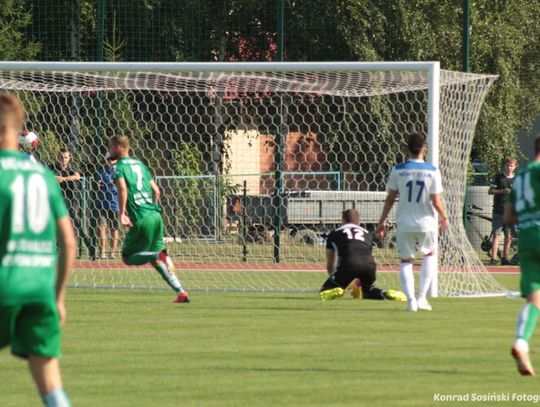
(106, 206)
(69, 179)
(351, 245)
(500, 188)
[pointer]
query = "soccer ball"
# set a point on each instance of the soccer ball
(28, 139)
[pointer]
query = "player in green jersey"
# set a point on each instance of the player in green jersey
(33, 220)
(523, 208)
(138, 195)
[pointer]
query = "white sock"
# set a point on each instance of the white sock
(170, 278)
(407, 279)
(522, 345)
(429, 266)
(56, 398)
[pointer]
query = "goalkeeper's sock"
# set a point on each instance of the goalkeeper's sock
(427, 270)
(140, 258)
(56, 398)
(527, 322)
(407, 279)
(170, 278)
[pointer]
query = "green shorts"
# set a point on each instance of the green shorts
(146, 235)
(30, 329)
(529, 261)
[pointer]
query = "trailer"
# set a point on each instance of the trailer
(308, 214)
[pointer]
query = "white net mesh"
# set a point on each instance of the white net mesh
(255, 167)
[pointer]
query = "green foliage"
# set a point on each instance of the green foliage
(14, 20)
(504, 41)
(115, 45)
(190, 192)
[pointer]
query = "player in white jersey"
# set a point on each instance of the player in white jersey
(419, 187)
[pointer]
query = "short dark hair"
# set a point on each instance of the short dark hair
(120, 140)
(415, 143)
(509, 159)
(351, 216)
(537, 144)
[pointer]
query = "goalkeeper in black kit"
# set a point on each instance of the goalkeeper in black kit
(351, 245)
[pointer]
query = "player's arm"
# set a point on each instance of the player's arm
(121, 187)
(436, 199)
(155, 190)
(388, 204)
(509, 214)
(330, 261)
(67, 247)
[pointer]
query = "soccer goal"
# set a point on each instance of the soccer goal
(256, 161)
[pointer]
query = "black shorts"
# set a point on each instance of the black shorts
(343, 276)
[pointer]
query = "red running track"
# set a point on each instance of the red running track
(260, 267)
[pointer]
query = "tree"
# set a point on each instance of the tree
(14, 20)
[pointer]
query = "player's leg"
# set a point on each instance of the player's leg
(370, 291)
(366, 275)
(36, 336)
(163, 263)
(427, 245)
(406, 245)
(46, 375)
(335, 284)
(528, 316)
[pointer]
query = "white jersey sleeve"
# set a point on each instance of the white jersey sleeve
(392, 180)
(436, 187)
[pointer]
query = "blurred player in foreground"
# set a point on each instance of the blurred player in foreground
(523, 208)
(419, 187)
(138, 195)
(351, 245)
(34, 219)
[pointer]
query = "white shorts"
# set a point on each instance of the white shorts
(409, 243)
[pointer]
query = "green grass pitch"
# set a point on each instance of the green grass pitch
(135, 348)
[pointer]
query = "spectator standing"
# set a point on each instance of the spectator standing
(69, 179)
(500, 188)
(106, 206)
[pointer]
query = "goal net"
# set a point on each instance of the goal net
(255, 162)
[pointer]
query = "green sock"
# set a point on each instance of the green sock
(140, 258)
(527, 321)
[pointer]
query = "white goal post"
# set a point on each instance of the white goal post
(257, 160)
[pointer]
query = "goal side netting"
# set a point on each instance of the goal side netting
(255, 166)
